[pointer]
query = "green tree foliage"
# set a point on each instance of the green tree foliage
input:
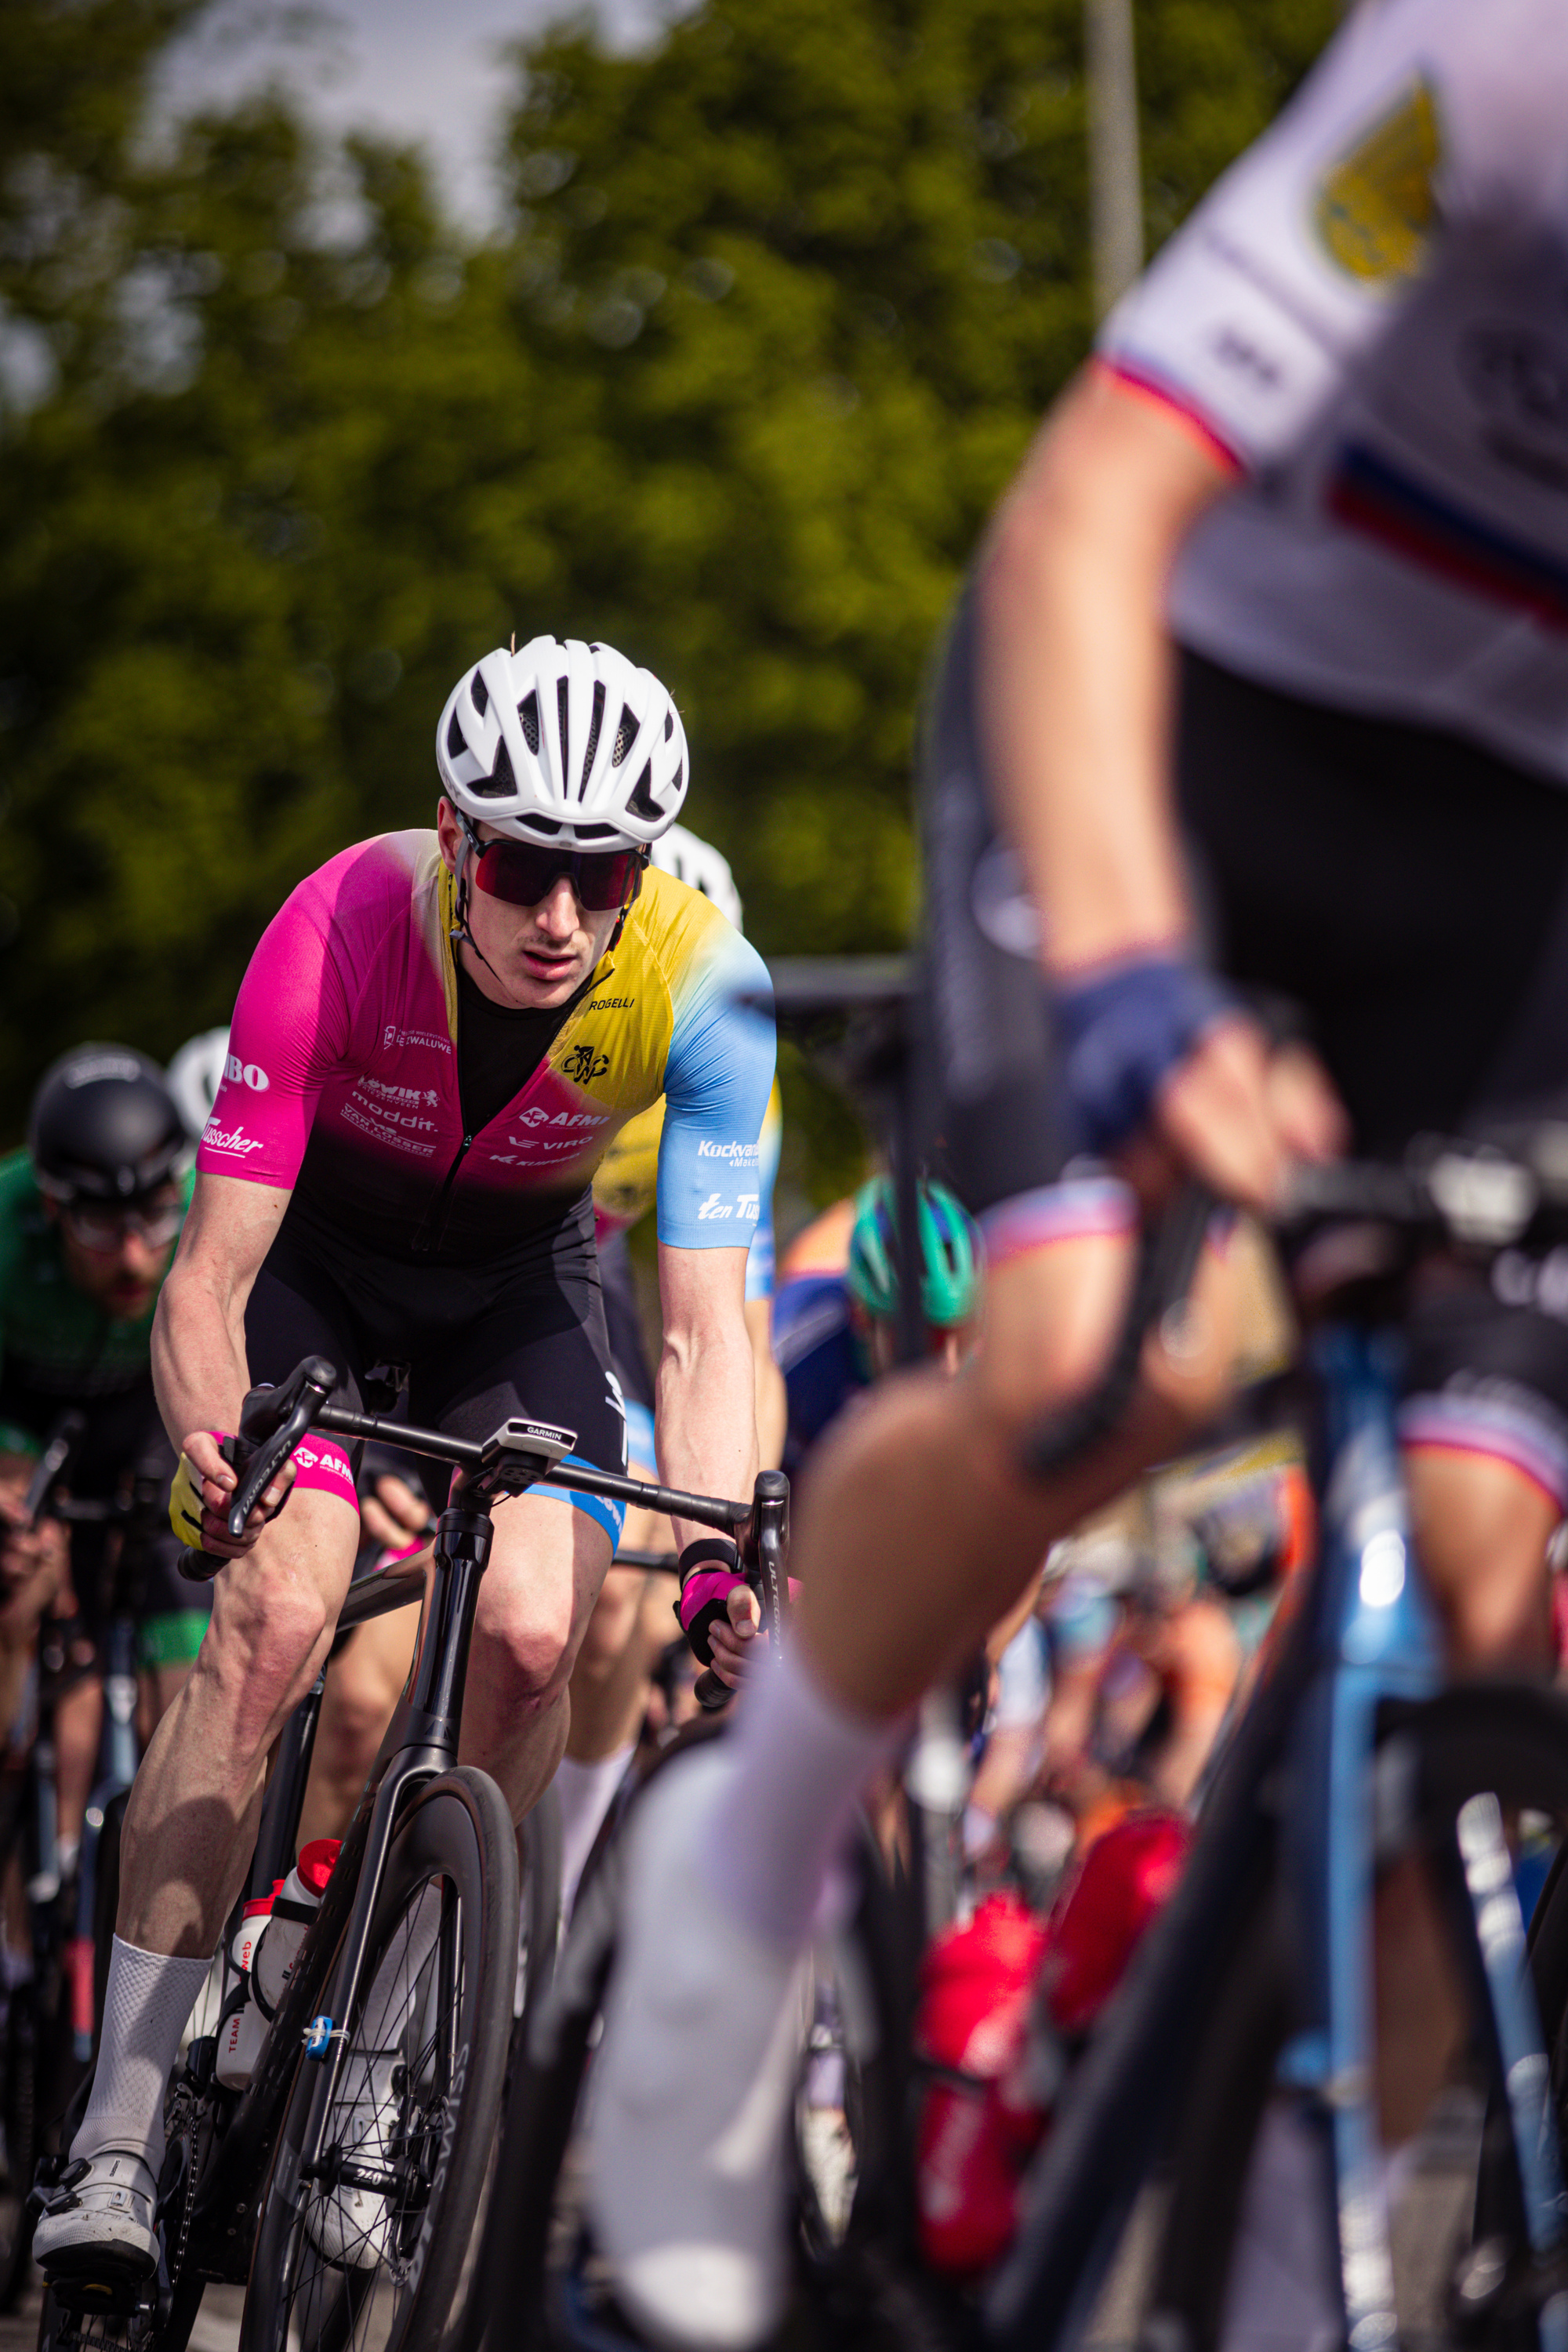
(780, 304)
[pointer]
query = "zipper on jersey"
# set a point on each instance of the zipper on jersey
(432, 1223)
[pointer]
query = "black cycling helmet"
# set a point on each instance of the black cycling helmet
(105, 1126)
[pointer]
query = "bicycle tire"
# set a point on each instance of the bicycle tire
(21, 2112)
(539, 1933)
(1510, 1743)
(531, 2275)
(430, 2069)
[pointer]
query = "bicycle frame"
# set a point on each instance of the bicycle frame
(1364, 1639)
(421, 1742)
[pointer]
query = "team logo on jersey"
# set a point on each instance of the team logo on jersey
(583, 1066)
(217, 1138)
(1375, 209)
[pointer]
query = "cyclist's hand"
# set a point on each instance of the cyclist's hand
(732, 1643)
(1236, 1114)
(204, 1475)
(393, 1514)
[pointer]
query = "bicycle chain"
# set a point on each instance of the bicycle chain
(192, 2174)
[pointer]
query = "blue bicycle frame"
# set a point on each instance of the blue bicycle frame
(1302, 1784)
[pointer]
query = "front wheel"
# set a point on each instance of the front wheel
(366, 2246)
(1470, 1788)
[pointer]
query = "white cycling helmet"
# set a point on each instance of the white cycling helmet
(195, 1074)
(564, 744)
(699, 865)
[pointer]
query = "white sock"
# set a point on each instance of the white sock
(148, 2000)
(586, 1792)
(800, 1762)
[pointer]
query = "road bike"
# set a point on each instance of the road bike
(341, 2184)
(1366, 1854)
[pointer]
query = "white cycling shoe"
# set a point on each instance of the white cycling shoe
(98, 2225)
(350, 2225)
(691, 2088)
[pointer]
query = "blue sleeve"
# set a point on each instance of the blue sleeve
(716, 1086)
(759, 1266)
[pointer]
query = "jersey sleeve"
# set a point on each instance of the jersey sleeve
(718, 1077)
(1424, 118)
(760, 1265)
(289, 1030)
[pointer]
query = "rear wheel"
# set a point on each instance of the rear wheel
(1472, 1783)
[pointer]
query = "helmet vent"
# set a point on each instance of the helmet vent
(595, 725)
(625, 734)
(642, 803)
(669, 725)
(564, 713)
(528, 711)
(456, 746)
(500, 781)
(481, 693)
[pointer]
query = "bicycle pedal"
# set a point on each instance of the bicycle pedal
(105, 2293)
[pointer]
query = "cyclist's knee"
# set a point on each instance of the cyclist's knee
(533, 1606)
(1482, 1528)
(1053, 1317)
(269, 1634)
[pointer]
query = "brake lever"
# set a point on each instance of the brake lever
(275, 1438)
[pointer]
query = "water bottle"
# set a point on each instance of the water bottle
(243, 2033)
(296, 1905)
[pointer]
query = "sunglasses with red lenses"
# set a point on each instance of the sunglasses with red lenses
(522, 873)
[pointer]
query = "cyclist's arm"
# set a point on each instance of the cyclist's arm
(1220, 363)
(716, 1081)
(704, 1410)
(199, 1334)
(1077, 676)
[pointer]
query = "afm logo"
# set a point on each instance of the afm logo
(583, 1066)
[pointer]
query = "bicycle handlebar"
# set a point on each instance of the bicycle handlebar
(517, 1456)
(1483, 1194)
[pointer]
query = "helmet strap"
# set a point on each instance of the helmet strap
(614, 938)
(459, 931)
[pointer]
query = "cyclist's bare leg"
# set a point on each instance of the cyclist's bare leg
(546, 1567)
(191, 1820)
(609, 1681)
(919, 1527)
(1481, 1527)
(363, 1685)
(79, 1720)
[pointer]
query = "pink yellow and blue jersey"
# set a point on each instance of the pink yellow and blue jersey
(343, 1077)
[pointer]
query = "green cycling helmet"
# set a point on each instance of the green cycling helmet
(949, 1253)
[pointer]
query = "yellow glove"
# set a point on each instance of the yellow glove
(186, 1503)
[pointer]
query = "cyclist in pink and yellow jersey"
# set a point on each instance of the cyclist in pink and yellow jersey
(438, 1036)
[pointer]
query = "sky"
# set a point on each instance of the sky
(425, 69)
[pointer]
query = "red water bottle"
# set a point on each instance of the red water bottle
(997, 2049)
(975, 1982)
(1124, 1879)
